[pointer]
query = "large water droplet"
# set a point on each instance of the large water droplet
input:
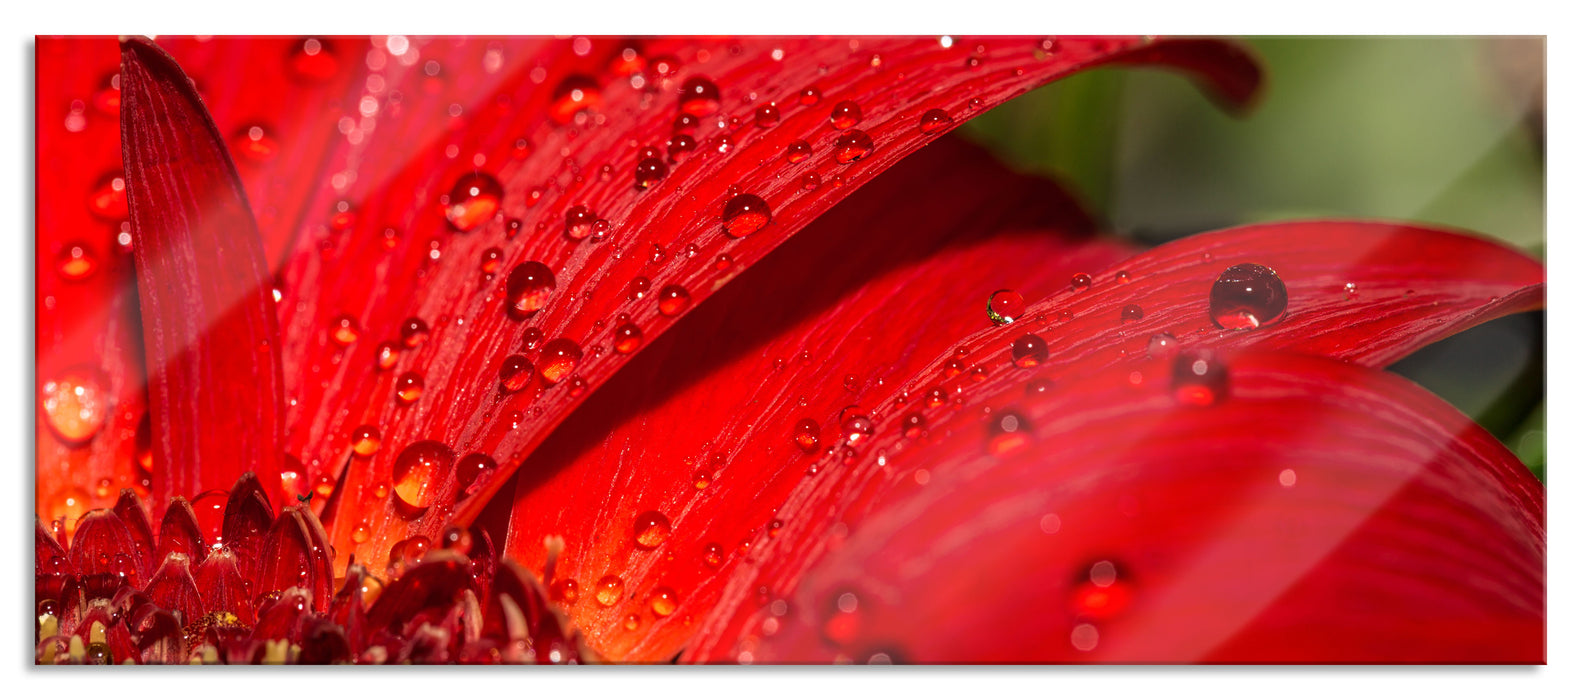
(1247, 296)
(853, 146)
(699, 96)
(574, 94)
(470, 468)
(674, 299)
(650, 171)
(527, 289)
(745, 214)
(365, 440)
(651, 529)
(845, 114)
(1199, 378)
(1009, 432)
(1131, 312)
(1029, 351)
(473, 200)
(558, 360)
(409, 387)
(418, 472)
(75, 405)
(934, 121)
(663, 601)
(628, 337)
(1005, 306)
(579, 222)
(515, 373)
(608, 590)
(1080, 282)
(767, 115)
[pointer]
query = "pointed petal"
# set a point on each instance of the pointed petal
(1317, 512)
(180, 533)
(248, 519)
(174, 589)
(292, 555)
(209, 328)
(130, 510)
(223, 588)
(103, 551)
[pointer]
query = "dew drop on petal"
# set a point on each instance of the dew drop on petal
(1247, 295)
(574, 94)
(663, 601)
(579, 222)
(767, 115)
(1029, 351)
(312, 60)
(1103, 590)
(386, 355)
(798, 151)
(628, 338)
(419, 470)
(650, 171)
(527, 289)
(699, 96)
(935, 121)
(558, 360)
(856, 428)
(608, 590)
(471, 467)
(810, 96)
(1199, 378)
(515, 373)
(1080, 282)
(1005, 306)
(1131, 312)
(413, 332)
(845, 114)
(409, 387)
(76, 405)
(365, 440)
(1163, 346)
(673, 299)
(745, 214)
(1009, 432)
(344, 330)
(1123, 277)
(852, 146)
(564, 591)
(108, 199)
(76, 262)
(651, 529)
(474, 199)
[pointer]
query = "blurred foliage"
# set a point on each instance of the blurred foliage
(1443, 130)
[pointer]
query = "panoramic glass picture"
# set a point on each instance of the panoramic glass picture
(789, 350)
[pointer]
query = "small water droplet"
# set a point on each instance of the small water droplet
(811, 181)
(1199, 378)
(745, 214)
(1029, 351)
(419, 470)
(852, 146)
(313, 60)
(1247, 296)
(564, 591)
(470, 468)
(1009, 432)
(673, 299)
(527, 289)
(650, 171)
(1102, 590)
(628, 337)
(1005, 306)
(810, 96)
(365, 440)
(651, 529)
(559, 359)
(531, 338)
(573, 95)
(856, 428)
(473, 200)
(663, 601)
(935, 121)
(1123, 277)
(489, 261)
(1131, 312)
(108, 199)
(413, 332)
(1351, 290)
(767, 115)
(76, 405)
(699, 96)
(798, 151)
(1080, 282)
(1163, 346)
(845, 114)
(409, 387)
(76, 262)
(805, 435)
(515, 373)
(608, 590)
(579, 222)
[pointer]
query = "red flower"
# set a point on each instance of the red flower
(372, 288)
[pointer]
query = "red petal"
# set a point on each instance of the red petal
(131, 512)
(460, 403)
(51, 566)
(180, 533)
(104, 552)
(209, 327)
(248, 519)
(174, 589)
(699, 428)
(295, 555)
(1321, 512)
(223, 588)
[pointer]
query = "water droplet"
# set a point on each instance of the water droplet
(76, 262)
(361, 532)
(1123, 277)
(531, 338)
(650, 171)
(409, 387)
(1080, 282)
(608, 590)
(108, 199)
(811, 181)
(343, 330)
(628, 337)
(489, 261)
(1085, 637)
(1102, 591)
(515, 373)
(1199, 378)
(1247, 296)
(365, 440)
(470, 468)
(76, 405)
(1029, 351)
(1131, 312)
(673, 299)
(699, 96)
(810, 96)
(852, 146)
(579, 222)
(312, 60)
(574, 94)
(1009, 432)
(842, 625)
(559, 358)
(663, 601)
(419, 470)
(564, 591)
(1163, 346)
(767, 115)
(1351, 290)
(845, 114)
(805, 435)
(934, 121)
(473, 200)
(651, 529)
(856, 428)
(745, 214)
(631, 622)
(1005, 306)
(413, 332)
(527, 289)
(798, 151)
